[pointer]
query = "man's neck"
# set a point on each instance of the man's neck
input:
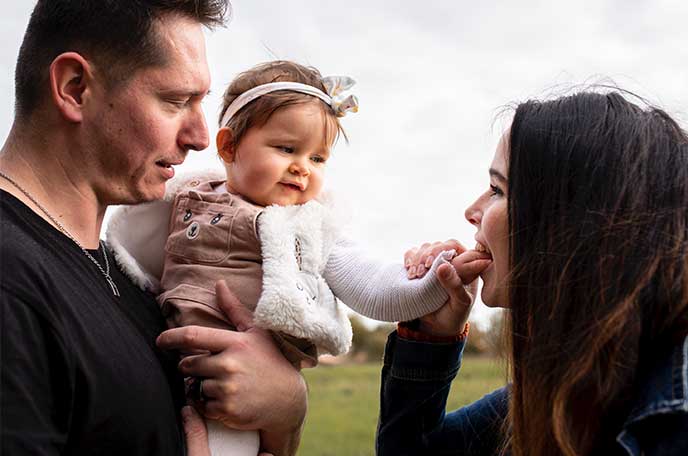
(55, 182)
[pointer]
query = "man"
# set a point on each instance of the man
(108, 99)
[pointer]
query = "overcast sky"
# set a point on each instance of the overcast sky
(431, 77)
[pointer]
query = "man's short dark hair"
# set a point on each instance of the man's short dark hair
(118, 35)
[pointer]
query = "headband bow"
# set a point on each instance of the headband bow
(334, 85)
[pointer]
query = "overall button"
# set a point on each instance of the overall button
(193, 230)
(187, 216)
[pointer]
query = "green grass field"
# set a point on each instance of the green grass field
(344, 403)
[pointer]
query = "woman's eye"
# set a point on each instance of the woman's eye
(495, 191)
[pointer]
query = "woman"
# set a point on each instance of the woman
(586, 224)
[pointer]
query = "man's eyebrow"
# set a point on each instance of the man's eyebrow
(497, 175)
(186, 93)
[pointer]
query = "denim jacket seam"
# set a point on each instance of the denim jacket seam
(661, 407)
(621, 440)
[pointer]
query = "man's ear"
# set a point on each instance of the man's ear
(70, 76)
(225, 145)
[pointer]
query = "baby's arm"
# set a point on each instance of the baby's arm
(383, 291)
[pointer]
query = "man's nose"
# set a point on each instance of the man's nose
(194, 133)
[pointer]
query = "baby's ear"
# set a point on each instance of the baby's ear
(225, 147)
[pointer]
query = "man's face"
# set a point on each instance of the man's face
(138, 130)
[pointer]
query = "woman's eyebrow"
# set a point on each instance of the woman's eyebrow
(497, 175)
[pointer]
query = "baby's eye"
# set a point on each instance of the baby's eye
(286, 149)
(318, 159)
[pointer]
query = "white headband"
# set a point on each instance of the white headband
(333, 84)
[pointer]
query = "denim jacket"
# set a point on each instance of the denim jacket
(416, 377)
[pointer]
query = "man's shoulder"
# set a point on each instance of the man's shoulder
(20, 242)
(25, 253)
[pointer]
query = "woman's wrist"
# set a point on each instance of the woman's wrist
(420, 330)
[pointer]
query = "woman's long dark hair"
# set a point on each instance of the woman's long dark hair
(598, 217)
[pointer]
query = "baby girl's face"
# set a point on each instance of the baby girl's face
(283, 161)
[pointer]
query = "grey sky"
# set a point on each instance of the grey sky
(431, 77)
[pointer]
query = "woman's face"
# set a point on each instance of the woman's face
(489, 215)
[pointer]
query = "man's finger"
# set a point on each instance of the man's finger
(195, 432)
(191, 338)
(202, 366)
(239, 315)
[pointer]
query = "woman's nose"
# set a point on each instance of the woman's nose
(473, 213)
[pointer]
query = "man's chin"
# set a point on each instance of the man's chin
(145, 195)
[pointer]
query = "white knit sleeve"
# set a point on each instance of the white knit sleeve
(382, 291)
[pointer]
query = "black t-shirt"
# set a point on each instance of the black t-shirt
(80, 370)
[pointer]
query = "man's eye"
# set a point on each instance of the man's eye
(177, 103)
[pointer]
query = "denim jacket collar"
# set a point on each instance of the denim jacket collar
(665, 391)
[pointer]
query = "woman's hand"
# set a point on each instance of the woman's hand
(418, 260)
(247, 382)
(458, 280)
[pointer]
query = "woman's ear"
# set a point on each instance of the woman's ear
(225, 145)
(70, 79)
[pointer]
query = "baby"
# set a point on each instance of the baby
(265, 228)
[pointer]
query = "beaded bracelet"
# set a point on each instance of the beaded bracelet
(409, 330)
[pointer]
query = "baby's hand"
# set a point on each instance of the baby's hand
(470, 264)
(418, 260)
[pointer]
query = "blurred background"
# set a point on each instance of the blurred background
(432, 78)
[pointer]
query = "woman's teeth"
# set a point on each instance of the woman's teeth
(481, 248)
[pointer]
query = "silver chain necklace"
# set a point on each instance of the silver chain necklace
(106, 271)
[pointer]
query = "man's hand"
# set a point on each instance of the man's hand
(247, 382)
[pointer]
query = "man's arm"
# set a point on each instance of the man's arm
(248, 383)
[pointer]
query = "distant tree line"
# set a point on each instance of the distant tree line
(369, 344)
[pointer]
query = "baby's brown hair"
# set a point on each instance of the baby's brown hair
(258, 111)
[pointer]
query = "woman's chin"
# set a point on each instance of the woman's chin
(493, 297)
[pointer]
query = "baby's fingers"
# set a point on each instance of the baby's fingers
(419, 260)
(470, 264)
